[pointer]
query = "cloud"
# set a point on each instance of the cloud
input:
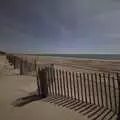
(114, 36)
(65, 25)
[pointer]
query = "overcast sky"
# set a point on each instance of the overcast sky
(63, 26)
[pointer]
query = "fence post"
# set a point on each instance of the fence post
(35, 64)
(10, 61)
(118, 80)
(21, 67)
(38, 81)
(17, 63)
(42, 83)
(25, 66)
(14, 62)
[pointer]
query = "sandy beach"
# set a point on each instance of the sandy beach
(13, 86)
(77, 64)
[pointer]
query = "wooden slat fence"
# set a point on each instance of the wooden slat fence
(98, 89)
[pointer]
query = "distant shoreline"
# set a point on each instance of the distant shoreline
(84, 56)
(103, 57)
(81, 58)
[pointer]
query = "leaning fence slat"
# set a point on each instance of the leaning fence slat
(106, 97)
(54, 80)
(49, 90)
(101, 89)
(89, 90)
(118, 82)
(114, 92)
(93, 88)
(73, 78)
(60, 74)
(64, 85)
(96, 80)
(81, 86)
(51, 82)
(38, 82)
(43, 83)
(70, 85)
(84, 79)
(67, 84)
(57, 77)
(109, 89)
(78, 87)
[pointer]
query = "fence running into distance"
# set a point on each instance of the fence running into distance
(91, 90)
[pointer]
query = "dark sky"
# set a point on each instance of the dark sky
(73, 26)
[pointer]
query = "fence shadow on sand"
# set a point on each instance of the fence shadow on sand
(92, 111)
(22, 101)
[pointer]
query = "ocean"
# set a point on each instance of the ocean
(85, 56)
